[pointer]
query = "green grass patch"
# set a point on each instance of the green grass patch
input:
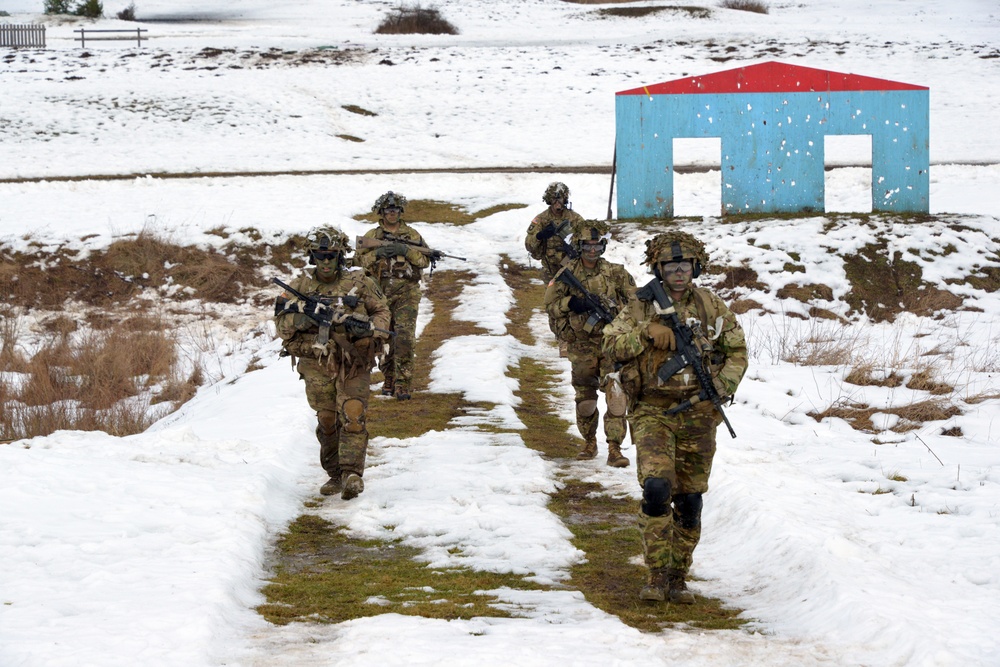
(604, 527)
(328, 577)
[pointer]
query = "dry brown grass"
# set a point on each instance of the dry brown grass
(754, 6)
(415, 20)
(98, 380)
(911, 417)
(430, 210)
(924, 380)
(132, 265)
(883, 286)
(639, 12)
(868, 375)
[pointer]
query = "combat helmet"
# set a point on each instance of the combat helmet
(556, 191)
(675, 246)
(390, 198)
(328, 239)
(591, 230)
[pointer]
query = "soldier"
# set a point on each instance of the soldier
(396, 268)
(579, 326)
(555, 221)
(674, 451)
(335, 343)
(544, 240)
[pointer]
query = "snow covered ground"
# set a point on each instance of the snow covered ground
(151, 549)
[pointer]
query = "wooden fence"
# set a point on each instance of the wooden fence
(22, 35)
(135, 33)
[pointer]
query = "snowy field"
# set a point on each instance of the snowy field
(151, 549)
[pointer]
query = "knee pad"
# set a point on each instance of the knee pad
(688, 506)
(354, 416)
(327, 421)
(655, 496)
(586, 408)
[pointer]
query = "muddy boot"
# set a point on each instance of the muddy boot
(353, 485)
(402, 392)
(388, 386)
(615, 457)
(677, 590)
(588, 452)
(655, 589)
(331, 487)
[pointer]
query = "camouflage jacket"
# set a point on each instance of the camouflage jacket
(549, 252)
(719, 335)
(299, 340)
(610, 282)
(405, 267)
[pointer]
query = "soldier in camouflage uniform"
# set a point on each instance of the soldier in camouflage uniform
(577, 325)
(674, 451)
(546, 232)
(397, 269)
(542, 240)
(338, 373)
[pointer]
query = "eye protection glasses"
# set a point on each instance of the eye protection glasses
(684, 266)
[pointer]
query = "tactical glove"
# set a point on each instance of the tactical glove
(392, 250)
(356, 328)
(721, 386)
(548, 231)
(662, 335)
(578, 304)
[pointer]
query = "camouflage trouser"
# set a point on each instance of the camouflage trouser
(404, 300)
(590, 369)
(340, 404)
(679, 449)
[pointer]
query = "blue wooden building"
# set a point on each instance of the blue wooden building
(772, 119)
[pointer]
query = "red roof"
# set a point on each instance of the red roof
(770, 77)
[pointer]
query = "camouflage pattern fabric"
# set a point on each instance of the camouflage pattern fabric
(549, 252)
(678, 448)
(344, 449)
(615, 286)
(399, 278)
(337, 378)
(403, 297)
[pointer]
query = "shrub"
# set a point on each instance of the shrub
(411, 20)
(745, 6)
(56, 7)
(92, 9)
(127, 14)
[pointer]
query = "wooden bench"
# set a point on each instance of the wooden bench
(135, 34)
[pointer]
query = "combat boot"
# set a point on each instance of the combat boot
(588, 452)
(332, 486)
(353, 485)
(388, 386)
(655, 588)
(677, 590)
(402, 392)
(615, 457)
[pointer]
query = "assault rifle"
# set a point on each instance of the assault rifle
(598, 313)
(324, 312)
(561, 232)
(688, 354)
(367, 242)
